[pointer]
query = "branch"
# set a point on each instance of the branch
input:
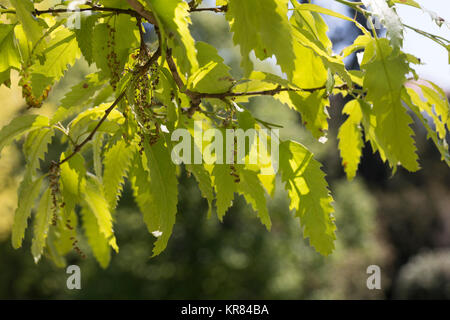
(140, 9)
(140, 72)
(37, 12)
(217, 9)
(173, 69)
(197, 96)
(271, 92)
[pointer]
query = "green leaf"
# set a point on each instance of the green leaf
(36, 147)
(10, 55)
(251, 188)
(384, 80)
(5, 78)
(116, 160)
(262, 26)
(350, 138)
(439, 106)
(417, 105)
(97, 147)
(66, 231)
(409, 3)
(319, 9)
(309, 194)
(360, 43)
(86, 121)
(96, 239)
(97, 203)
(225, 187)
(125, 38)
(82, 92)
(52, 252)
(100, 48)
(19, 126)
(313, 51)
(164, 193)
(213, 75)
(39, 83)
(85, 34)
(72, 180)
(62, 51)
(41, 225)
(28, 192)
(204, 183)
(173, 18)
(139, 178)
(24, 12)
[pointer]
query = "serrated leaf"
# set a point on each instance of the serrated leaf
(417, 105)
(82, 92)
(225, 187)
(36, 147)
(125, 38)
(350, 138)
(437, 98)
(41, 225)
(384, 80)
(309, 194)
(84, 36)
(95, 199)
(66, 231)
(96, 239)
(52, 252)
(262, 26)
(87, 120)
(313, 52)
(19, 126)
(204, 183)
(39, 83)
(251, 188)
(24, 12)
(10, 55)
(97, 147)
(28, 192)
(164, 192)
(213, 75)
(173, 18)
(116, 160)
(62, 51)
(72, 179)
(100, 48)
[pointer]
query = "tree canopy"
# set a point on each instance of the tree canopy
(118, 123)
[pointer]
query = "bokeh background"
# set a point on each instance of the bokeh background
(400, 223)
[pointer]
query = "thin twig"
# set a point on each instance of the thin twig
(78, 147)
(216, 9)
(271, 92)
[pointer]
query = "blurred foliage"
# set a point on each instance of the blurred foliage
(425, 276)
